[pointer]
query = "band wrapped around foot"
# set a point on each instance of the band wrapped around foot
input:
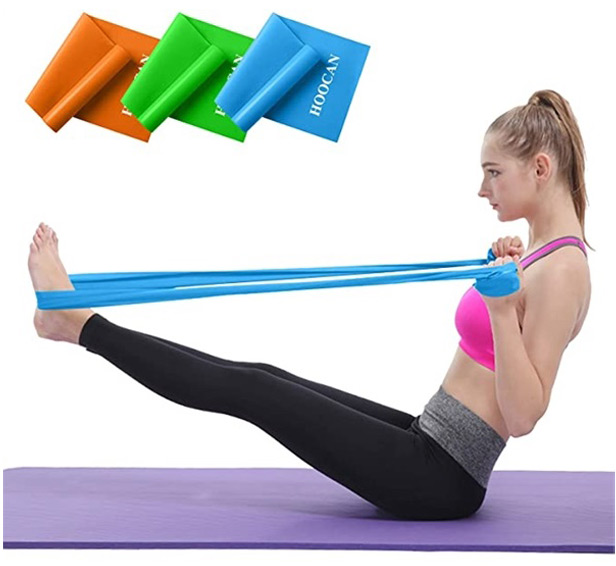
(124, 288)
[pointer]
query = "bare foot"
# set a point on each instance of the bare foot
(48, 274)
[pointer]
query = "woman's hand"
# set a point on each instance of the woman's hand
(496, 304)
(508, 246)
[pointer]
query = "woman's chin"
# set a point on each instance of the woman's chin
(504, 217)
(500, 216)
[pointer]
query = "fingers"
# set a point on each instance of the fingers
(501, 261)
(508, 259)
(508, 246)
(517, 247)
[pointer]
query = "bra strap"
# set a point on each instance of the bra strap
(551, 247)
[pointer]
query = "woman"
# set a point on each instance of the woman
(434, 466)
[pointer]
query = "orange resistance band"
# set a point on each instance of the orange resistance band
(89, 75)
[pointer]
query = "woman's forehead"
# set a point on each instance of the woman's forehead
(490, 152)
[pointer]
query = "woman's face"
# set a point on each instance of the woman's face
(507, 183)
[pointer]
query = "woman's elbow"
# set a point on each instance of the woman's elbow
(522, 429)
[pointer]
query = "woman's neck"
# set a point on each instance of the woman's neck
(552, 218)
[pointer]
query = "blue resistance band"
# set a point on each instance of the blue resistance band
(296, 75)
(124, 288)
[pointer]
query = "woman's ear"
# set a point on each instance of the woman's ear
(543, 167)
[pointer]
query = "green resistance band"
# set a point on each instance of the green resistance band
(184, 74)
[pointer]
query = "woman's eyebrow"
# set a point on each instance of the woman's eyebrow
(488, 163)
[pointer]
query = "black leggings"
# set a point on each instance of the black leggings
(378, 452)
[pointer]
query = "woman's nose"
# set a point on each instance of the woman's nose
(482, 192)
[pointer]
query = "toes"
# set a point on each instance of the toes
(37, 238)
(46, 234)
(51, 234)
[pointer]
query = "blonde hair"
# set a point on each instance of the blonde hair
(546, 123)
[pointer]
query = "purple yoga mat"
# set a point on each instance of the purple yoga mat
(292, 508)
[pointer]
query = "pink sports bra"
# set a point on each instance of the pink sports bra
(473, 319)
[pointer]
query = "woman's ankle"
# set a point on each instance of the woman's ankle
(61, 325)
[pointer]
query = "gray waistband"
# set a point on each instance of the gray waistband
(472, 442)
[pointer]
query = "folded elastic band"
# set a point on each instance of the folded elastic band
(123, 288)
(184, 74)
(276, 87)
(88, 75)
(296, 75)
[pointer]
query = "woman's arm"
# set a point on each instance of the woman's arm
(519, 391)
(527, 360)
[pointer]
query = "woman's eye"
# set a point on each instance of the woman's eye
(493, 172)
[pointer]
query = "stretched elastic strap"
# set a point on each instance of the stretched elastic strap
(123, 288)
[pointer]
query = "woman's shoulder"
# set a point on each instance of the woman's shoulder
(562, 263)
(567, 273)
(567, 265)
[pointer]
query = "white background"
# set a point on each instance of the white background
(400, 186)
